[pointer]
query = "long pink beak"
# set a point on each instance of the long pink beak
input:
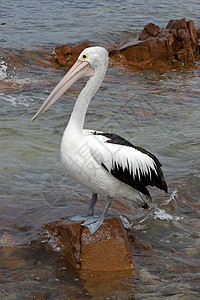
(78, 70)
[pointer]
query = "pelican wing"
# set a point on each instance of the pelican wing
(132, 165)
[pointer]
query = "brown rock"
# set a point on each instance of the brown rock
(176, 45)
(103, 259)
(153, 52)
(177, 24)
(67, 56)
(79, 48)
(193, 36)
(67, 236)
(6, 86)
(166, 34)
(22, 58)
(63, 54)
(109, 283)
(198, 33)
(8, 252)
(109, 244)
(137, 53)
(185, 34)
(150, 30)
(108, 249)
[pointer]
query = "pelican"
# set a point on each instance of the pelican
(105, 163)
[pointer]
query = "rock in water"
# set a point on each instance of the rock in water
(67, 56)
(108, 249)
(175, 46)
(103, 259)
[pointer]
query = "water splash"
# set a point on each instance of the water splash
(126, 222)
(3, 69)
(53, 241)
(17, 101)
(173, 197)
(163, 215)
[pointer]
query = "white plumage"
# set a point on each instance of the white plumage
(105, 163)
(128, 158)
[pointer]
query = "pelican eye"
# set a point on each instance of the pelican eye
(84, 56)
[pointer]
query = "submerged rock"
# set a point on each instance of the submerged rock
(8, 252)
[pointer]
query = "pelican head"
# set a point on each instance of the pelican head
(89, 62)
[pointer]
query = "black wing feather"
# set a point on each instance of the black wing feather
(139, 181)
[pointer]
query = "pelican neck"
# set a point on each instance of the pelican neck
(77, 118)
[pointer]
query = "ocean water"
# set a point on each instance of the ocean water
(157, 110)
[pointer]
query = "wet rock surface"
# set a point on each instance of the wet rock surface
(103, 259)
(68, 55)
(174, 46)
(198, 33)
(8, 252)
(21, 60)
(108, 249)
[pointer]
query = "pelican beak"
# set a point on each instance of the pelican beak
(78, 70)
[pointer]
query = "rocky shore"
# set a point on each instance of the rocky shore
(175, 46)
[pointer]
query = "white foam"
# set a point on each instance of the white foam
(53, 241)
(173, 197)
(125, 221)
(163, 215)
(3, 69)
(15, 101)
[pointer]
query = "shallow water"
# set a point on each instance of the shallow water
(157, 110)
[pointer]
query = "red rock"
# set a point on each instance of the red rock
(63, 54)
(67, 56)
(108, 249)
(106, 283)
(166, 34)
(20, 58)
(177, 24)
(193, 36)
(152, 52)
(8, 250)
(109, 244)
(198, 33)
(186, 43)
(6, 86)
(150, 30)
(15, 58)
(174, 46)
(41, 57)
(103, 259)
(68, 238)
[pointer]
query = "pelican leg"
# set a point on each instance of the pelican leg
(94, 222)
(90, 213)
(92, 205)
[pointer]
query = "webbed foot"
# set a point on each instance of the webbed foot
(79, 218)
(93, 223)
